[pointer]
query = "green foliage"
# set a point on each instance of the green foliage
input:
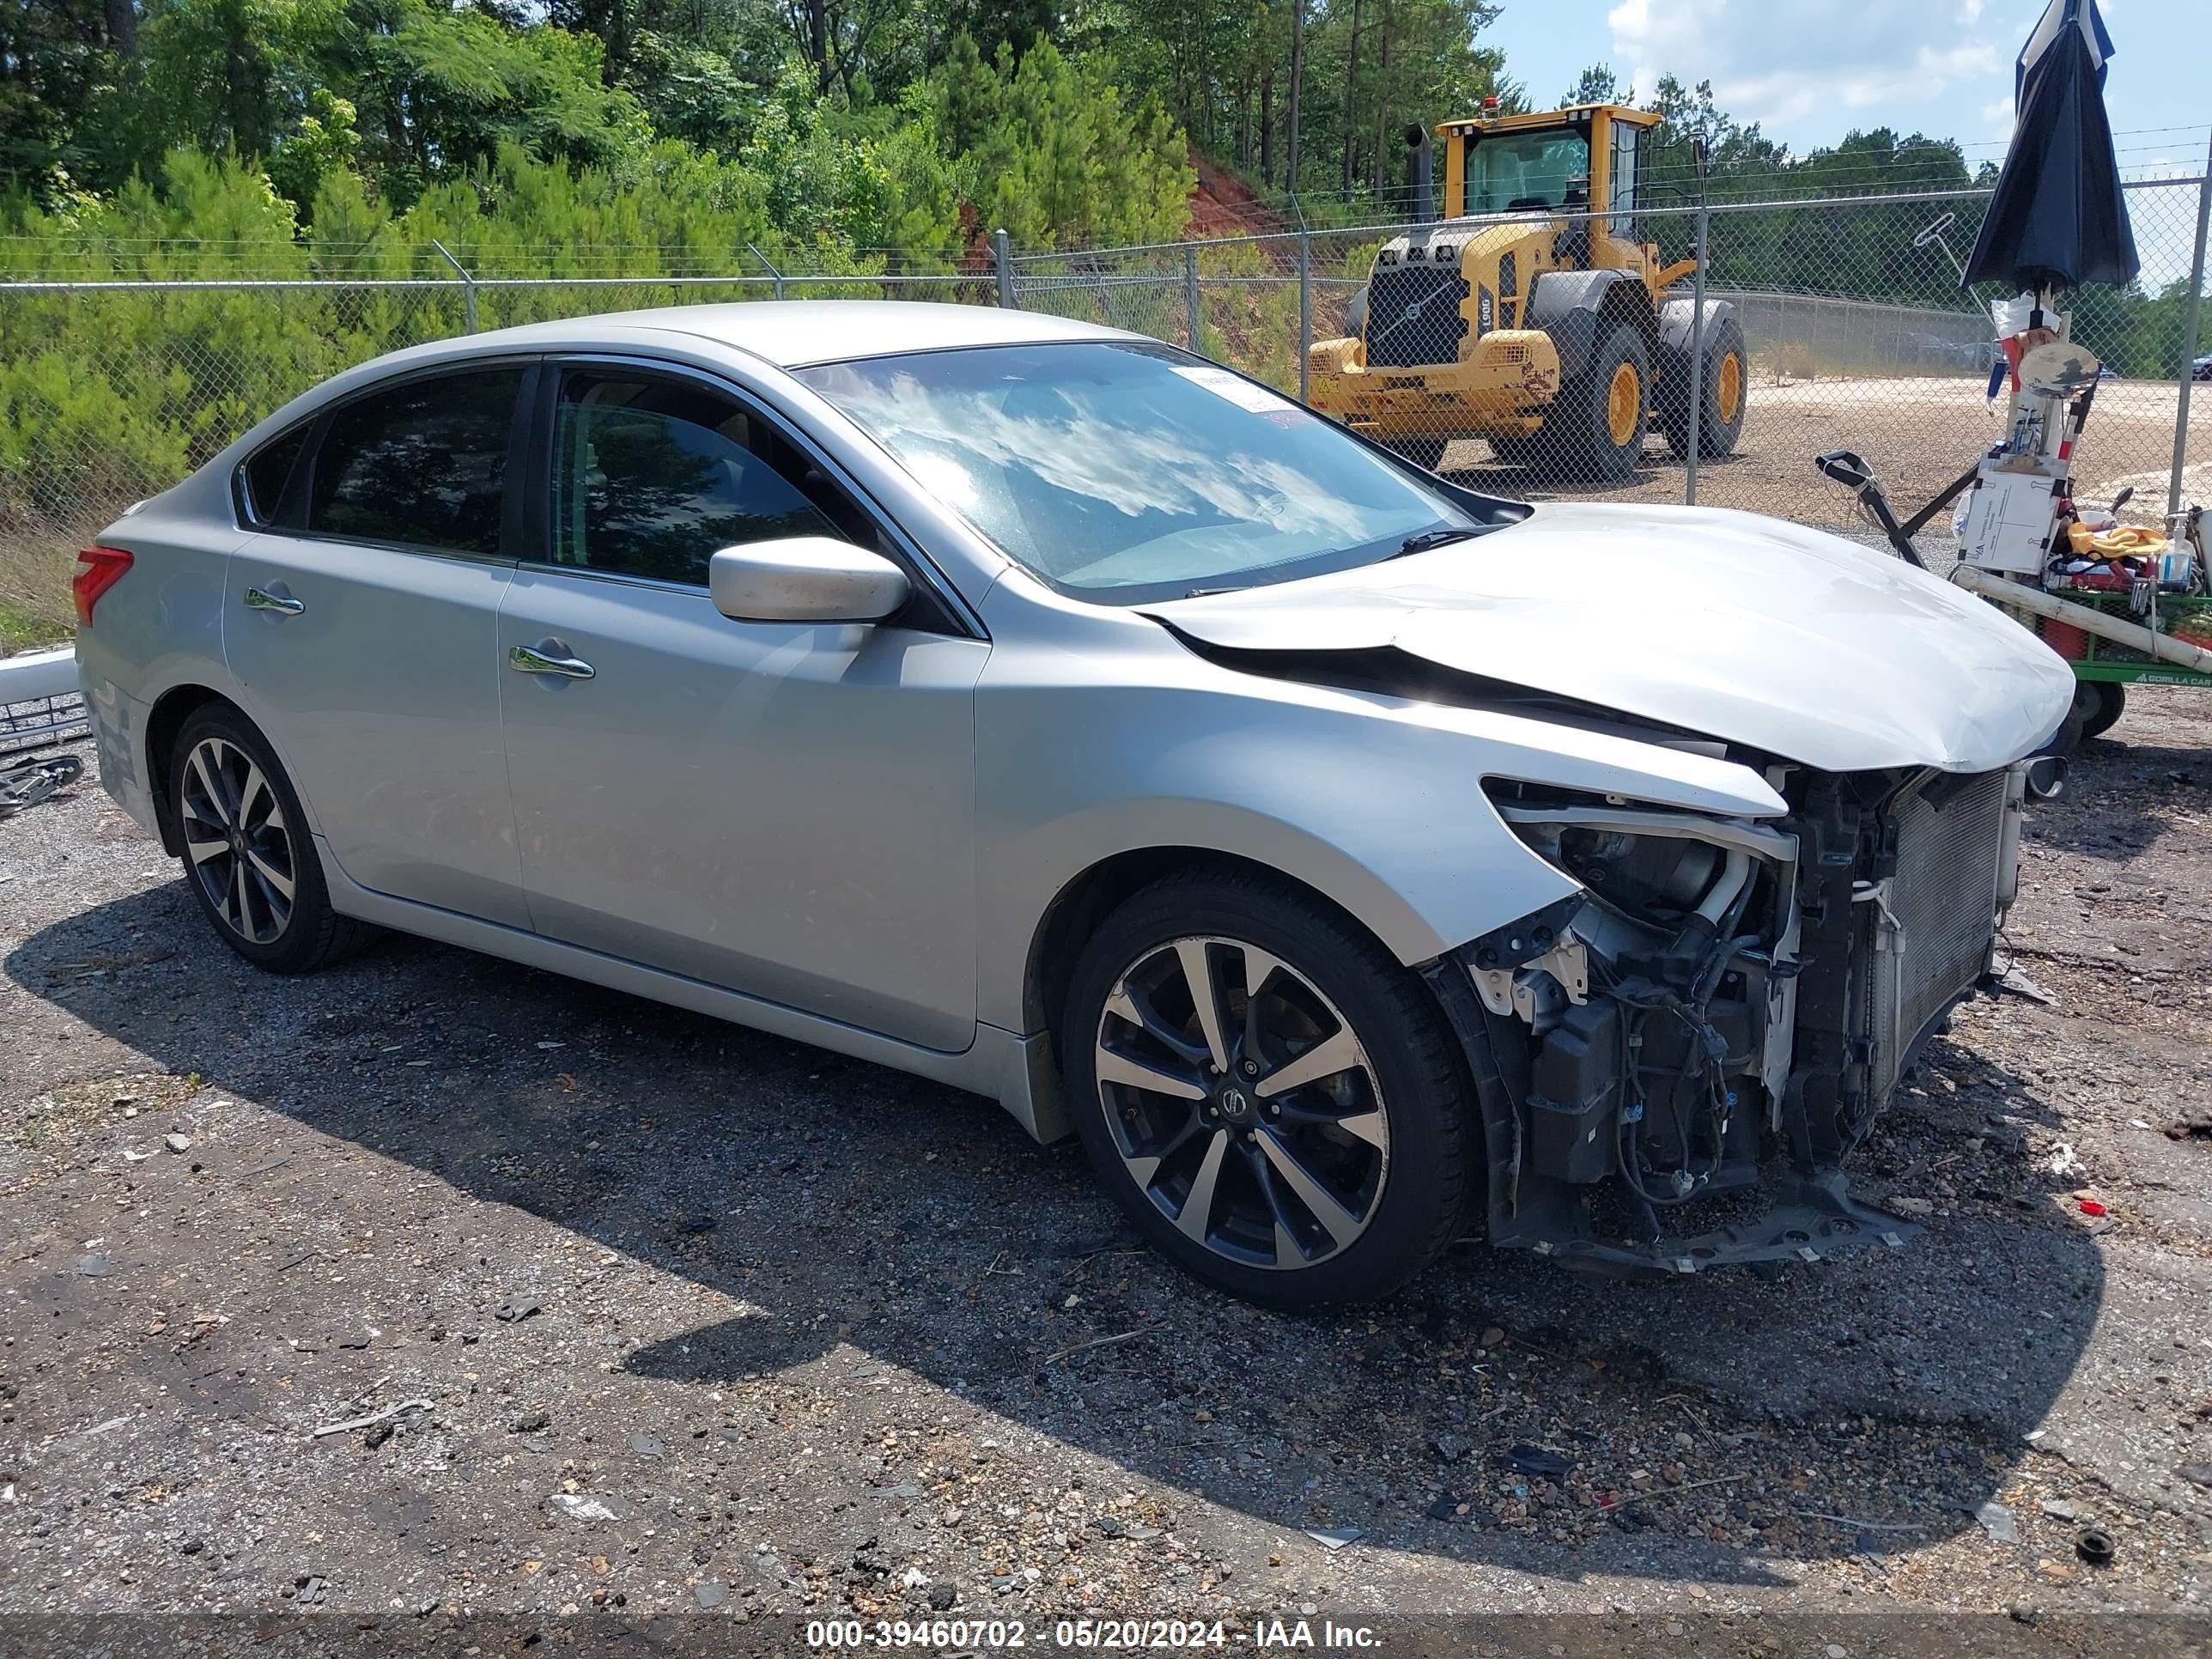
(324, 144)
(1059, 157)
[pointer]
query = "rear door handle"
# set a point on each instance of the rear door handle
(282, 603)
(549, 657)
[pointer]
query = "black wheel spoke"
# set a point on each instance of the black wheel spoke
(1342, 1225)
(1288, 1250)
(1336, 1053)
(1136, 1008)
(1197, 958)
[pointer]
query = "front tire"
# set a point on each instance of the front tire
(247, 854)
(1274, 1101)
(1599, 420)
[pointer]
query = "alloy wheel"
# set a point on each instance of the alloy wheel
(1241, 1102)
(238, 843)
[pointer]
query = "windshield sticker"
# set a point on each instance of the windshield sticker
(1241, 392)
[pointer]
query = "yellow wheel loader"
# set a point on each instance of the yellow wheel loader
(1526, 317)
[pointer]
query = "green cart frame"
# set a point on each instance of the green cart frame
(2103, 669)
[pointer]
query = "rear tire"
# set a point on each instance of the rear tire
(1337, 1185)
(1723, 389)
(1598, 424)
(248, 856)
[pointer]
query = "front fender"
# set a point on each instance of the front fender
(1568, 305)
(1376, 803)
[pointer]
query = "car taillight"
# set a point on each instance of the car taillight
(98, 569)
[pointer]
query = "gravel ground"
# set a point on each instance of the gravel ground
(1918, 433)
(657, 1314)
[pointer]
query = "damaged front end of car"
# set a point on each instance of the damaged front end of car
(1674, 1064)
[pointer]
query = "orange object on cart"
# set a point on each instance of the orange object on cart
(2067, 640)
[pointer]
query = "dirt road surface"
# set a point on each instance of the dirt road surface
(650, 1314)
(1918, 433)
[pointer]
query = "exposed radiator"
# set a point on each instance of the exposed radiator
(1930, 940)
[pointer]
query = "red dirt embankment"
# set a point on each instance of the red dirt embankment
(1222, 204)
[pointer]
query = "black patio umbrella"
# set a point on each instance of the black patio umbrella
(2059, 218)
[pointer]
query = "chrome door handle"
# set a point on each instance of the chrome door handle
(525, 660)
(282, 603)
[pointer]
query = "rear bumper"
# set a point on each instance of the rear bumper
(118, 732)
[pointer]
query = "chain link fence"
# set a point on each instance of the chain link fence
(1830, 323)
(1833, 324)
(111, 390)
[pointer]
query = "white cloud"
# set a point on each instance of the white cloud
(1782, 62)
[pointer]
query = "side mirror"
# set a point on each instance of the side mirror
(804, 579)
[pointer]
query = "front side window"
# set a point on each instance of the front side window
(1127, 473)
(1510, 172)
(652, 475)
(1623, 204)
(422, 464)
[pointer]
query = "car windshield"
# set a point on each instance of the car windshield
(1127, 473)
(1510, 170)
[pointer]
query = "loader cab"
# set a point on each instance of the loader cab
(1558, 161)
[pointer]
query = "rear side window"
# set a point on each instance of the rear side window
(423, 464)
(268, 475)
(652, 475)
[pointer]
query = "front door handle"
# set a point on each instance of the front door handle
(282, 603)
(549, 658)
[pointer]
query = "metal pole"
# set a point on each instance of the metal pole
(2189, 337)
(771, 270)
(1697, 358)
(1190, 292)
(1305, 317)
(469, 283)
(1006, 264)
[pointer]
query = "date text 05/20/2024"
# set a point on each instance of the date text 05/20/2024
(1259, 1634)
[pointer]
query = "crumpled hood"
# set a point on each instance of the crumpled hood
(1736, 626)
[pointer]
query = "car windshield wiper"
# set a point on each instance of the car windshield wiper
(1422, 542)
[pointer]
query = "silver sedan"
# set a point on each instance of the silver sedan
(1345, 856)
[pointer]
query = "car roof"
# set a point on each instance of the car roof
(792, 333)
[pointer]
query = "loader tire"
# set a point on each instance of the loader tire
(1722, 390)
(1597, 430)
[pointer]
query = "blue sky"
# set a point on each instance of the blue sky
(1812, 69)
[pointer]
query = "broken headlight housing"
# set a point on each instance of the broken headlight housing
(1643, 1044)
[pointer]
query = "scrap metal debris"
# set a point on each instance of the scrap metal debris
(374, 1417)
(27, 782)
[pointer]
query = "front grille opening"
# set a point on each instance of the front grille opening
(1414, 316)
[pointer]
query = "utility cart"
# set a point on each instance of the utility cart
(2123, 605)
